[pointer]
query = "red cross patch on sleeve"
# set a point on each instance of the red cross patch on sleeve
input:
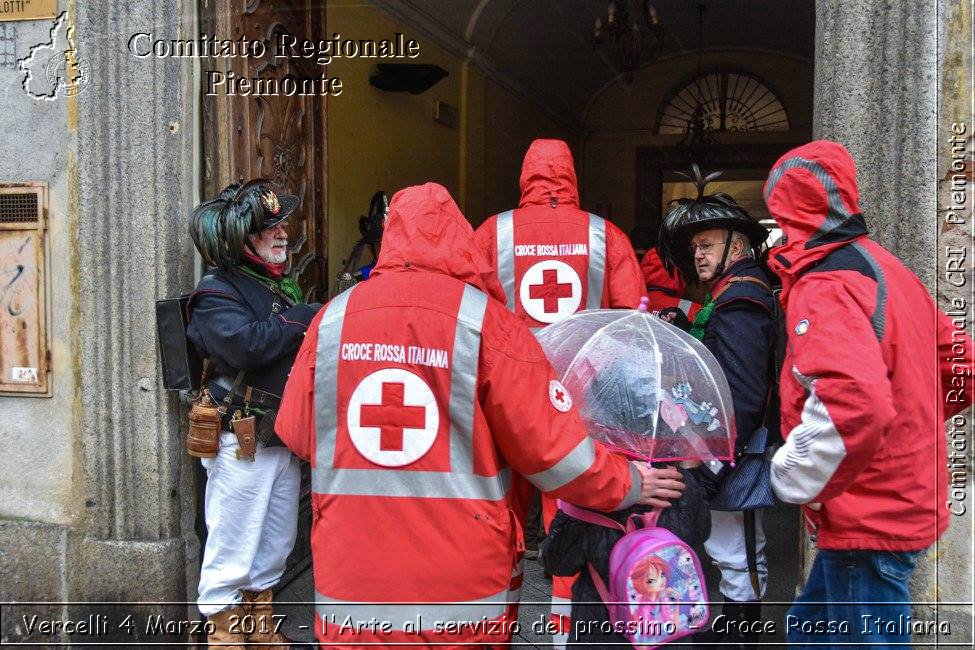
(559, 396)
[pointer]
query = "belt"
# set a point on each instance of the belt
(251, 395)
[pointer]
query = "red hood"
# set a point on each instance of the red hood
(656, 276)
(548, 173)
(812, 194)
(427, 232)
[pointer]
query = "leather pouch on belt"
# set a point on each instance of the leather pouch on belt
(245, 430)
(203, 437)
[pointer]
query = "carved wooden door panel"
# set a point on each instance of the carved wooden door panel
(282, 138)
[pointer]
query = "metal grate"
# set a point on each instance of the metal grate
(20, 207)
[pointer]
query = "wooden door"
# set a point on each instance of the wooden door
(282, 138)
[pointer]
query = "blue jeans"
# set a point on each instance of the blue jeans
(854, 598)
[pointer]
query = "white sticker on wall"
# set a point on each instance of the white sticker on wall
(26, 375)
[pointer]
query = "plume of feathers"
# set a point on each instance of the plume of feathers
(699, 180)
(220, 227)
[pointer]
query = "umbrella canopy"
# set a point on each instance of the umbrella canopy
(643, 386)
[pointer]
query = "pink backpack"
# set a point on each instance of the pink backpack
(656, 593)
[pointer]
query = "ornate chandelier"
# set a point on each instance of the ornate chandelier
(631, 34)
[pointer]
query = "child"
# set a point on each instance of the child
(572, 544)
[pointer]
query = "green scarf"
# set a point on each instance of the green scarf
(701, 319)
(285, 285)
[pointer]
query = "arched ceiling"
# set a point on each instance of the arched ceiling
(543, 48)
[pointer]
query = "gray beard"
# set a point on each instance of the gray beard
(266, 254)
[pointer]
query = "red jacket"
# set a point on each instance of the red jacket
(415, 395)
(866, 379)
(553, 259)
(664, 288)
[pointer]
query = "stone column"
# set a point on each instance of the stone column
(876, 92)
(133, 194)
(877, 71)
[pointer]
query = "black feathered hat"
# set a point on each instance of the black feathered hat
(687, 217)
(220, 227)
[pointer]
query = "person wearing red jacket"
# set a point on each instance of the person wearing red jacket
(416, 395)
(862, 404)
(665, 289)
(553, 259)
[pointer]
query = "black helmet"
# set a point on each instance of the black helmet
(687, 217)
(220, 227)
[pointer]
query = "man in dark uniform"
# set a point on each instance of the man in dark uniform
(713, 238)
(248, 320)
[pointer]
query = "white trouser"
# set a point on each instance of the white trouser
(252, 521)
(726, 546)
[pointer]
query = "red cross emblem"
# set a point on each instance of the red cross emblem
(550, 290)
(559, 396)
(392, 416)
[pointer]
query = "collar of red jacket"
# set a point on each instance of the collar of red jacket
(812, 193)
(548, 175)
(274, 271)
(426, 232)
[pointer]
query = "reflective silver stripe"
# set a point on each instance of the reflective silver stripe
(636, 485)
(879, 318)
(327, 377)
(506, 255)
(332, 609)
(463, 379)
(404, 483)
(597, 261)
(561, 606)
(837, 214)
(571, 467)
(459, 482)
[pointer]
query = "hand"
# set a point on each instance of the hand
(660, 486)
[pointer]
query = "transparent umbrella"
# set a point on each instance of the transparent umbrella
(643, 386)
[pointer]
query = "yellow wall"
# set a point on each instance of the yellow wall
(389, 140)
(382, 140)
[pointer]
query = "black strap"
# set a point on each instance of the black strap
(751, 554)
(257, 396)
(228, 399)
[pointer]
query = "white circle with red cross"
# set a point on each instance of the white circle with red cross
(550, 291)
(393, 417)
(559, 396)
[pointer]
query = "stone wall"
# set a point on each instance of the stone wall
(105, 524)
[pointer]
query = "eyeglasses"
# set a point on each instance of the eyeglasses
(704, 247)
